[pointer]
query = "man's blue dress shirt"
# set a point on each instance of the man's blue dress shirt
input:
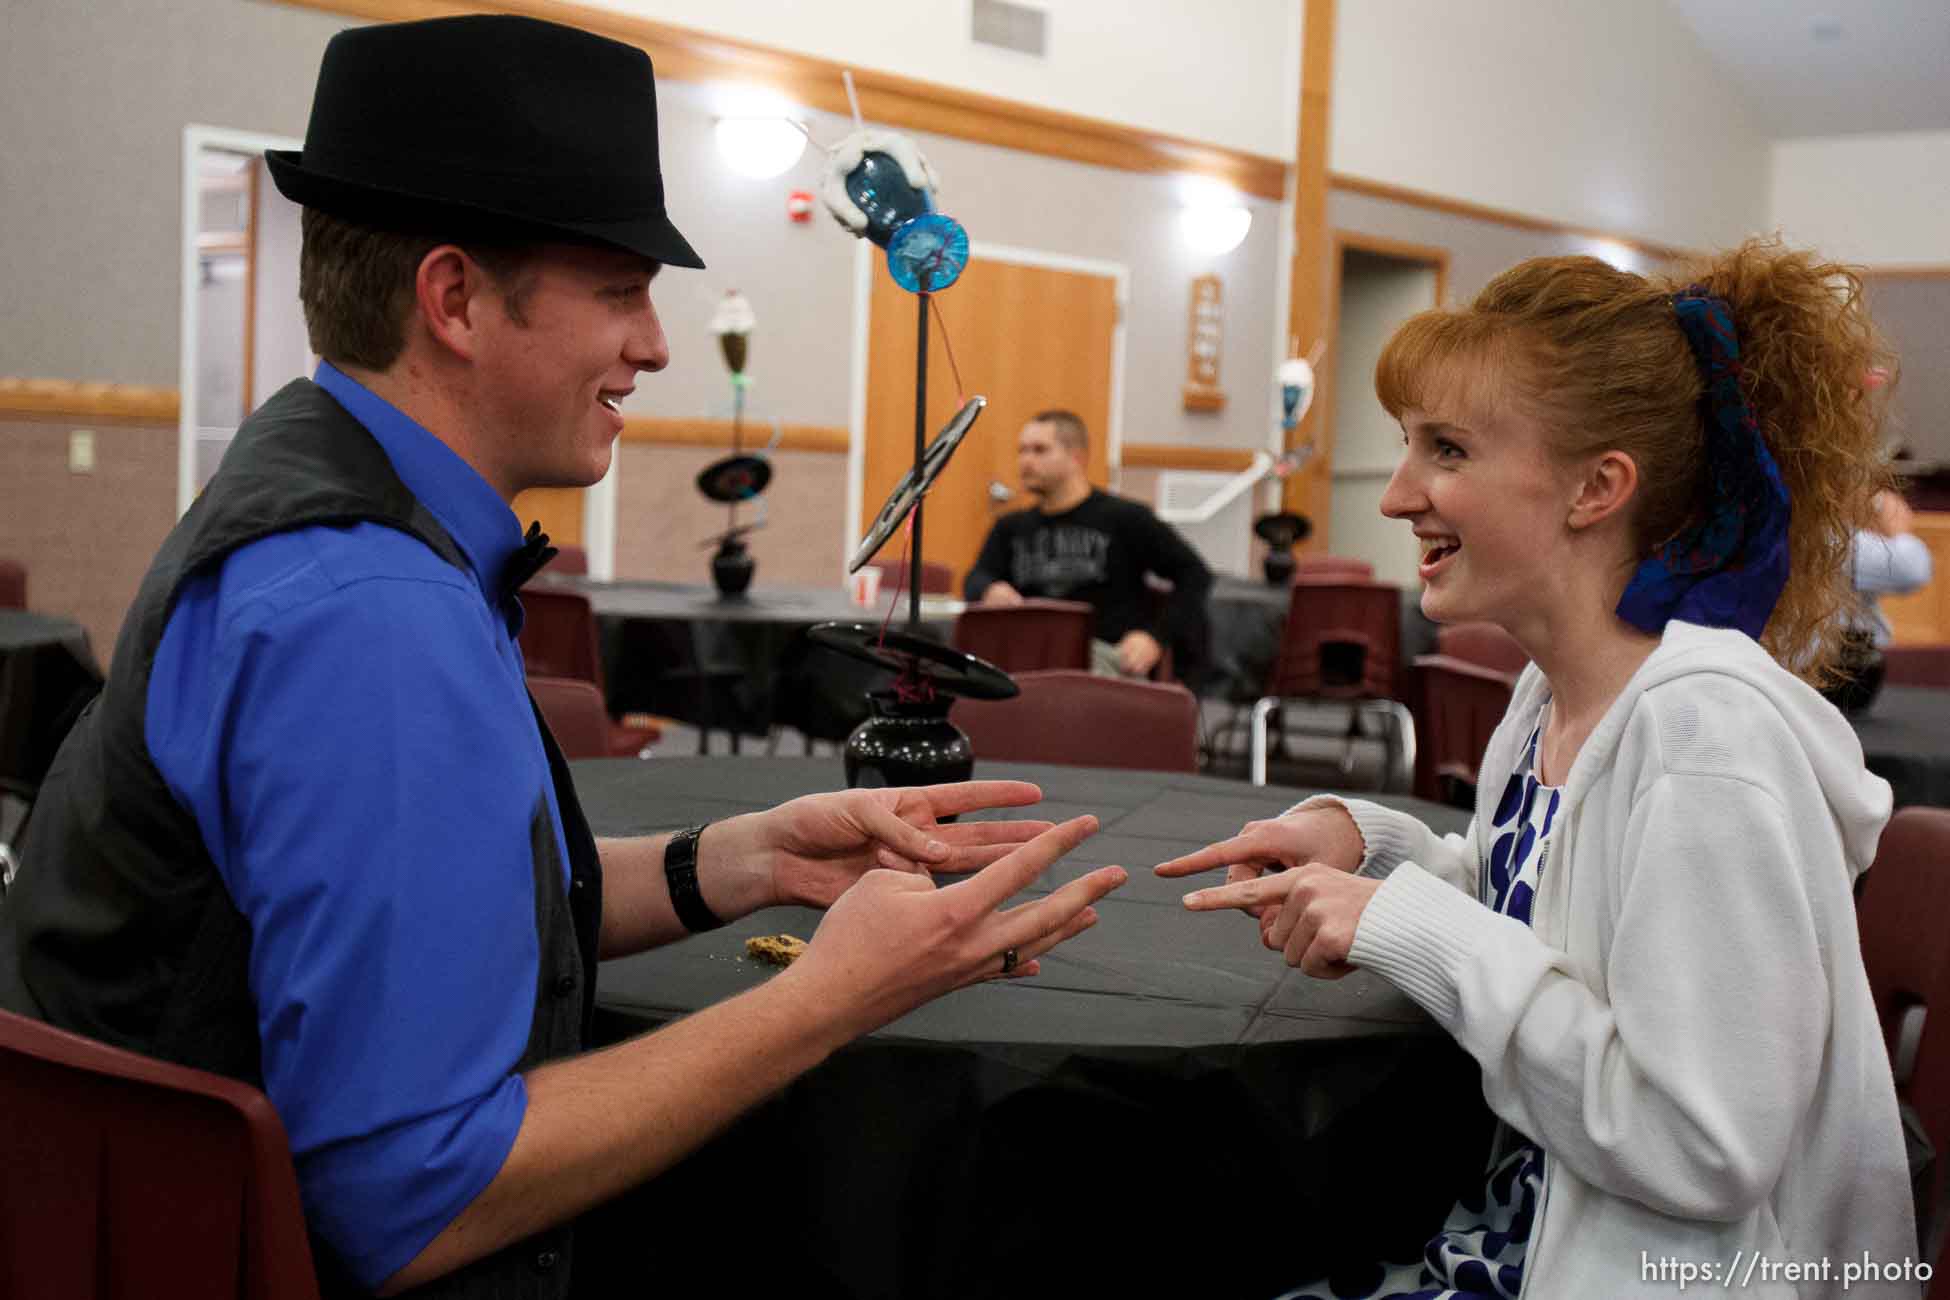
(345, 715)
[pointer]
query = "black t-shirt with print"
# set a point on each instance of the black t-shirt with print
(1099, 552)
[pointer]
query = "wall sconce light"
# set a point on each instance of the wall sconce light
(1213, 219)
(759, 147)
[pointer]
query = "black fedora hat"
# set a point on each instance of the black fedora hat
(488, 126)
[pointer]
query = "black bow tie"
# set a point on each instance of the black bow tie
(531, 559)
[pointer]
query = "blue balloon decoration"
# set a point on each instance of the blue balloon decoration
(880, 187)
(934, 244)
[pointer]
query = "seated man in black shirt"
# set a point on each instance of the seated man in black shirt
(1077, 543)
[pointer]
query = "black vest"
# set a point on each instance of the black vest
(118, 925)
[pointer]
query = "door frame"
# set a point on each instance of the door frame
(1433, 255)
(196, 139)
(864, 266)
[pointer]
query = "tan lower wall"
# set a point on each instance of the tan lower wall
(86, 539)
(662, 521)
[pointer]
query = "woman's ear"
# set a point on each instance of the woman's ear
(1610, 480)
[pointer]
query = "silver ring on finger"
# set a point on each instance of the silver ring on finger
(1010, 960)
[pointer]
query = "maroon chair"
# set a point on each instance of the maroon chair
(1484, 644)
(1331, 566)
(1916, 665)
(1341, 641)
(1079, 719)
(568, 559)
(558, 639)
(13, 584)
(1459, 704)
(1029, 637)
(1903, 914)
(123, 1176)
(936, 579)
(577, 717)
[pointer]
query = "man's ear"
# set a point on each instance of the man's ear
(451, 292)
(1609, 481)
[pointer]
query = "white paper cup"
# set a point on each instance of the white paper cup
(866, 587)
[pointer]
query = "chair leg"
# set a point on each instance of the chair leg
(1260, 711)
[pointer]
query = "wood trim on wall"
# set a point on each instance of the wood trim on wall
(1158, 455)
(1905, 272)
(717, 433)
(1432, 254)
(682, 54)
(68, 399)
(1502, 216)
(1309, 490)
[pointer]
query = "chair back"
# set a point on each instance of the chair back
(558, 635)
(13, 584)
(1331, 566)
(1029, 637)
(1902, 915)
(1342, 640)
(577, 716)
(123, 1176)
(936, 579)
(1484, 644)
(568, 559)
(1458, 706)
(1907, 665)
(1072, 717)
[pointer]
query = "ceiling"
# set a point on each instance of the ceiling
(1832, 67)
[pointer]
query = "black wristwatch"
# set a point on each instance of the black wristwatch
(680, 872)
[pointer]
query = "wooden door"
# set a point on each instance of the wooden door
(1026, 337)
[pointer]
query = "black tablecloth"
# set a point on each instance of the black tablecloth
(1166, 1110)
(738, 665)
(46, 674)
(1905, 738)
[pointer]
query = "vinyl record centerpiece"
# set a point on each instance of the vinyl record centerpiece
(732, 481)
(909, 740)
(1281, 532)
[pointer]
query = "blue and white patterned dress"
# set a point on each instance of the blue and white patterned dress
(1479, 1253)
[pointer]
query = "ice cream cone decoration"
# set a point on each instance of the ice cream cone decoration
(733, 323)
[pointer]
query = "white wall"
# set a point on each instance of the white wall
(1872, 199)
(1116, 60)
(1591, 112)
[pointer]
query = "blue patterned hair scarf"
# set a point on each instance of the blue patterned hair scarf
(1727, 570)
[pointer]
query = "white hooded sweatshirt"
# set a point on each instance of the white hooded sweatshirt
(1685, 1027)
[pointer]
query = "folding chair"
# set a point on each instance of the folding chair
(1458, 707)
(936, 579)
(1903, 914)
(126, 1177)
(1916, 665)
(558, 639)
(1342, 641)
(1034, 635)
(1073, 717)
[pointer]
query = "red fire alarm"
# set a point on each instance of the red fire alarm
(798, 205)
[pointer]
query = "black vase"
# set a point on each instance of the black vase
(732, 567)
(907, 743)
(1278, 565)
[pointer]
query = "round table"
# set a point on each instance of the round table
(1905, 735)
(738, 664)
(47, 672)
(1164, 1069)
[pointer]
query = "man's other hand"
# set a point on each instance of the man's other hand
(1000, 593)
(1138, 653)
